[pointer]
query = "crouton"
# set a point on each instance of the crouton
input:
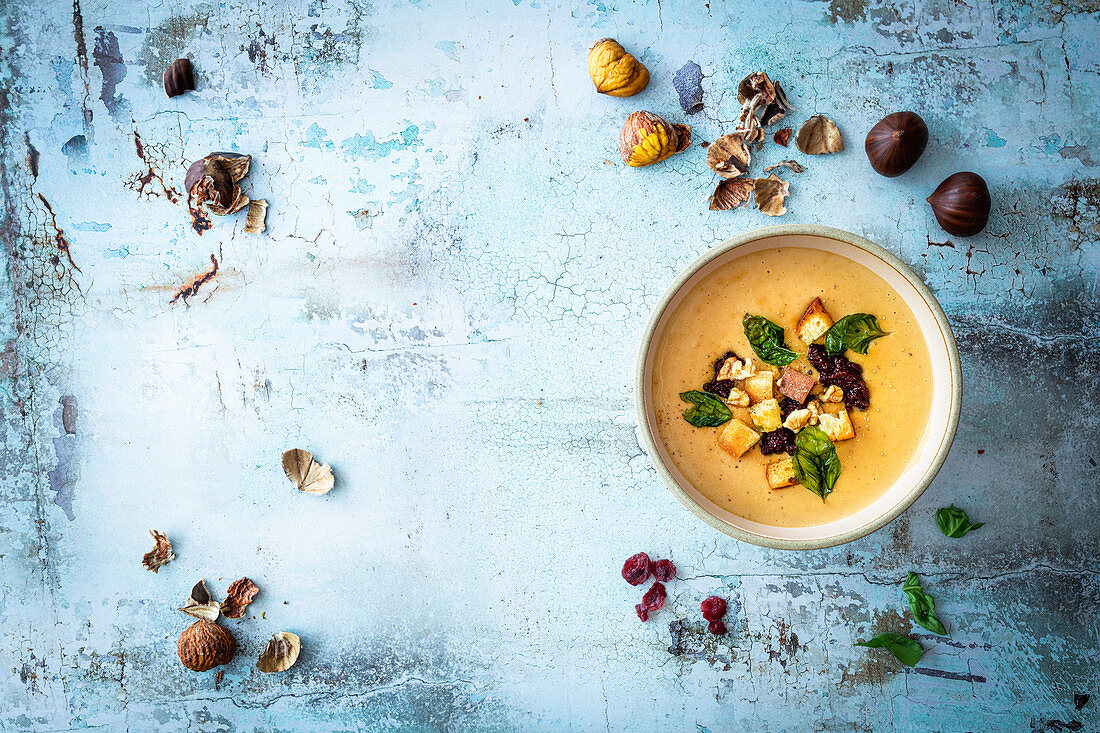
(795, 384)
(736, 438)
(766, 416)
(759, 386)
(813, 324)
(736, 369)
(780, 473)
(738, 398)
(838, 425)
(833, 394)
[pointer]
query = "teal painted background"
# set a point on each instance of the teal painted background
(446, 306)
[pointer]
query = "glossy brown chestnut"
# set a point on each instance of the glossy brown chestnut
(179, 78)
(961, 204)
(896, 143)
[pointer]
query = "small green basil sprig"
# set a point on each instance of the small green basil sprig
(922, 605)
(855, 332)
(907, 650)
(708, 410)
(767, 340)
(953, 521)
(816, 464)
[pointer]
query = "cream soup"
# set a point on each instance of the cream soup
(778, 284)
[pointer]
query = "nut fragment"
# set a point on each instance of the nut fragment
(213, 181)
(615, 72)
(728, 156)
(646, 138)
(731, 194)
(160, 555)
(306, 473)
(200, 605)
(783, 137)
(204, 645)
(178, 78)
(818, 136)
(281, 652)
(793, 165)
(769, 194)
(239, 594)
(256, 220)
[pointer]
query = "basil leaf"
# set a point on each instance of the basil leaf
(708, 412)
(855, 332)
(922, 605)
(766, 339)
(954, 522)
(816, 465)
(908, 651)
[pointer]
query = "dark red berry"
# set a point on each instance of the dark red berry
(654, 598)
(714, 608)
(718, 627)
(664, 570)
(642, 611)
(636, 569)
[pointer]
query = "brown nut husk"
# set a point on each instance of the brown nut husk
(818, 136)
(237, 598)
(160, 555)
(732, 193)
(204, 645)
(256, 220)
(213, 181)
(769, 194)
(795, 166)
(783, 137)
(200, 605)
(728, 156)
(281, 652)
(647, 138)
(615, 72)
(306, 473)
(178, 78)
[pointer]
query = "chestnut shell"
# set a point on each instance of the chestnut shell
(204, 645)
(895, 143)
(178, 78)
(961, 204)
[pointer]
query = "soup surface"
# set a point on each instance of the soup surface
(778, 284)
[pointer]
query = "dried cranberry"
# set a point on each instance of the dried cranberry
(654, 598)
(642, 611)
(714, 608)
(843, 373)
(664, 570)
(777, 441)
(636, 569)
(718, 627)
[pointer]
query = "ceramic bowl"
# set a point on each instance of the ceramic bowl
(946, 389)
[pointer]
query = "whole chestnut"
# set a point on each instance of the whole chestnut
(648, 138)
(896, 143)
(961, 204)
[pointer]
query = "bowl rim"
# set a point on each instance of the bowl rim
(649, 440)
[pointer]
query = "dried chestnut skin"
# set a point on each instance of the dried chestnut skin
(636, 569)
(664, 570)
(713, 608)
(895, 143)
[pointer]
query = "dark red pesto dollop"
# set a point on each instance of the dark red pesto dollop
(636, 569)
(777, 441)
(721, 387)
(664, 570)
(843, 373)
(787, 406)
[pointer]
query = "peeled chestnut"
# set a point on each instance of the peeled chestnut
(961, 204)
(896, 143)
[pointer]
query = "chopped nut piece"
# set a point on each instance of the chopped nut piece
(765, 416)
(838, 425)
(736, 438)
(780, 473)
(832, 393)
(728, 156)
(818, 136)
(795, 384)
(798, 419)
(160, 555)
(814, 322)
(237, 597)
(769, 194)
(731, 194)
(736, 369)
(738, 398)
(759, 386)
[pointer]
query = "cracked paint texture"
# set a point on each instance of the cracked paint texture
(445, 307)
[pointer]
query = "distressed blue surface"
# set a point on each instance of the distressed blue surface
(445, 307)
